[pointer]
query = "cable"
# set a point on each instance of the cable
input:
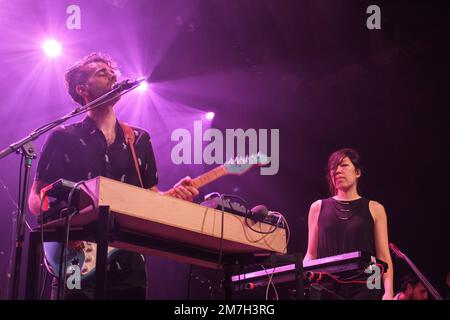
(276, 226)
(14, 204)
(41, 229)
(41, 295)
(259, 231)
(11, 253)
(347, 281)
(63, 261)
(13, 223)
(271, 283)
(13, 226)
(285, 224)
(341, 281)
(222, 198)
(20, 182)
(288, 235)
(221, 231)
(9, 194)
(64, 252)
(62, 257)
(72, 191)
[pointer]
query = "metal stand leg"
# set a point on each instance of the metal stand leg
(300, 295)
(227, 283)
(33, 266)
(102, 253)
(29, 155)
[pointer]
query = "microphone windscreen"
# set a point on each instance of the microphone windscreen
(259, 212)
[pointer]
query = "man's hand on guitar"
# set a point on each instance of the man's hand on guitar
(184, 189)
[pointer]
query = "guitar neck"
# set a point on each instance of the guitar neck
(209, 176)
(423, 279)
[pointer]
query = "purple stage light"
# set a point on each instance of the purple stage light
(52, 48)
(143, 87)
(209, 115)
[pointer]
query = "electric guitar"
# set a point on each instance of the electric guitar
(419, 274)
(84, 255)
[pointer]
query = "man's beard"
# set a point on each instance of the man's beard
(109, 100)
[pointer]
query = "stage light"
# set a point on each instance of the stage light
(209, 115)
(52, 48)
(143, 87)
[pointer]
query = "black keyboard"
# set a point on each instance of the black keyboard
(339, 265)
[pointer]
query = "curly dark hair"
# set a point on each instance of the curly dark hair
(77, 73)
(336, 158)
(408, 279)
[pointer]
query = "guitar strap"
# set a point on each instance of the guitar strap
(128, 133)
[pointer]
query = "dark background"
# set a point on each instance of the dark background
(309, 68)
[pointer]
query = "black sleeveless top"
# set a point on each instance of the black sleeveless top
(345, 226)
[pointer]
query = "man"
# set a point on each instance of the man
(94, 147)
(411, 289)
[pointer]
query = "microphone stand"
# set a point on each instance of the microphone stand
(25, 148)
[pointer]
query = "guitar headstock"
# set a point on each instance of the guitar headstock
(240, 165)
(396, 251)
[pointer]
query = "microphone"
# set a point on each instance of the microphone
(128, 84)
(261, 213)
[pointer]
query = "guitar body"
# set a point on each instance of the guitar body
(84, 258)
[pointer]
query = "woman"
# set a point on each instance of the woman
(347, 222)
